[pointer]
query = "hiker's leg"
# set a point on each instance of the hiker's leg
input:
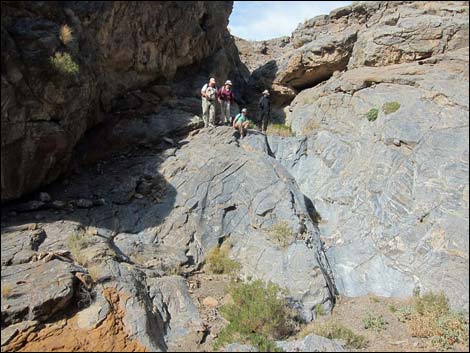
(227, 112)
(211, 114)
(204, 112)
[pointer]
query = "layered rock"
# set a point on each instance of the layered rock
(385, 161)
(364, 34)
(122, 62)
(159, 214)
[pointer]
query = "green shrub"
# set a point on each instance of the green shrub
(64, 63)
(374, 322)
(319, 311)
(257, 316)
(390, 107)
(280, 130)
(404, 313)
(336, 330)
(429, 316)
(218, 261)
(282, 234)
(372, 114)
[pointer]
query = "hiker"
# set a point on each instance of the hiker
(241, 123)
(208, 94)
(226, 98)
(265, 107)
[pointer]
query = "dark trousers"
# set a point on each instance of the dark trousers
(265, 118)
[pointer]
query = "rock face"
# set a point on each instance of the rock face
(161, 213)
(383, 141)
(384, 157)
(121, 63)
(364, 34)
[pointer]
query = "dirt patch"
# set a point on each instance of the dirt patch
(208, 294)
(394, 337)
(65, 335)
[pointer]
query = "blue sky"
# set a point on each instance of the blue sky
(260, 20)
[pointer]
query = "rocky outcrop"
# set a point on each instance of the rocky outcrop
(68, 66)
(159, 213)
(310, 343)
(385, 161)
(364, 34)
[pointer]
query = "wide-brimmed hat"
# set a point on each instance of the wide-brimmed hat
(228, 82)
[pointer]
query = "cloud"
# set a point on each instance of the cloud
(260, 20)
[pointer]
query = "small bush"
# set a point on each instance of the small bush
(6, 290)
(76, 242)
(374, 322)
(257, 316)
(95, 272)
(319, 311)
(65, 34)
(390, 107)
(429, 316)
(372, 114)
(280, 130)
(404, 313)
(218, 261)
(336, 330)
(64, 63)
(282, 234)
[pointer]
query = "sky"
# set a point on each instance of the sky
(261, 20)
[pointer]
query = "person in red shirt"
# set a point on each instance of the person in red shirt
(226, 98)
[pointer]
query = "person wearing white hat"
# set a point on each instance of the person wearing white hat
(265, 107)
(208, 95)
(241, 123)
(226, 98)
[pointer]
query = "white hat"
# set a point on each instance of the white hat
(228, 82)
(244, 110)
(212, 80)
(265, 91)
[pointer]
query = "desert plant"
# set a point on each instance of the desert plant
(374, 322)
(335, 330)
(76, 242)
(257, 315)
(280, 130)
(372, 114)
(390, 107)
(282, 234)
(429, 316)
(64, 63)
(319, 311)
(95, 272)
(6, 290)
(65, 34)
(218, 261)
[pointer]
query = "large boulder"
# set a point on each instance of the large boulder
(384, 158)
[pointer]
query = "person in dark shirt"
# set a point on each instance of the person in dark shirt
(265, 107)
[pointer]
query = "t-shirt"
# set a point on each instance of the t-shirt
(210, 91)
(240, 118)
